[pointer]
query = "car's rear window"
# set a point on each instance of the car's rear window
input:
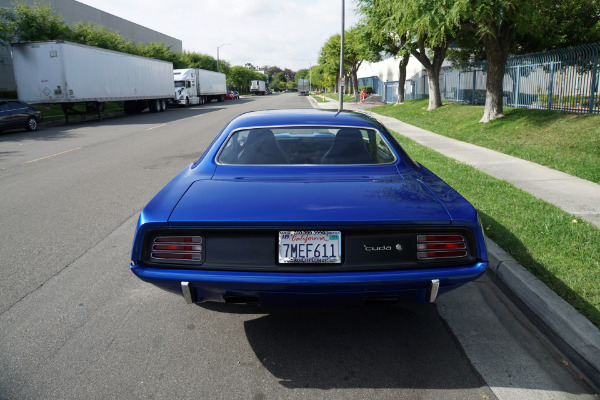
(306, 145)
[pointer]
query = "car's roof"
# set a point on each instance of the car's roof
(306, 117)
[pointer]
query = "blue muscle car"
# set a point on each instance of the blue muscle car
(307, 206)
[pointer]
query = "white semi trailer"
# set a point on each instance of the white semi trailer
(198, 86)
(303, 87)
(59, 72)
(258, 87)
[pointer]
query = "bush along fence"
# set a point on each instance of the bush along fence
(564, 79)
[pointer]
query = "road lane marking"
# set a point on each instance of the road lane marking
(157, 126)
(53, 155)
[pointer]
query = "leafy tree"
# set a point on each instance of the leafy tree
(289, 74)
(317, 78)
(156, 50)
(239, 77)
(196, 60)
(272, 71)
(329, 60)
(28, 23)
(301, 74)
(279, 81)
(281, 77)
(382, 38)
(96, 35)
(428, 28)
(490, 29)
(516, 26)
(356, 51)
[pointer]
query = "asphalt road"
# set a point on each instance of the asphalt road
(76, 323)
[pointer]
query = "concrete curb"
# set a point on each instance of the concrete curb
(568, 330)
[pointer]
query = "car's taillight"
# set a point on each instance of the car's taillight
(434, 247)
(177, 248)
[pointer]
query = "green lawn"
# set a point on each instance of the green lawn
(560, 249)
(336, 97)
(563, 141)
(318, 98)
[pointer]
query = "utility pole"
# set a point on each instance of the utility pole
(341, 79)
(218, 47)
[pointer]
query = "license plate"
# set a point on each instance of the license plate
(310, 247)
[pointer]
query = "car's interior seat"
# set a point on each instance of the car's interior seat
(348, 148)
(261, 148)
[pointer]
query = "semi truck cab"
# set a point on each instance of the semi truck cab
(186, 92)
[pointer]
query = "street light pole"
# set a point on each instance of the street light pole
(341, 82)
(218, 47)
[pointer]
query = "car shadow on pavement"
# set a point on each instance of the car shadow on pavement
(407, 346)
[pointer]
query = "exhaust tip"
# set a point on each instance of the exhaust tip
(186, 290)
(433, 290)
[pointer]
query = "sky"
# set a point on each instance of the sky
(282, 33)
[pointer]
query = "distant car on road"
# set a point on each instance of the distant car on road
(229, 95)
(307, 206)
(236, 94)
(17, 114)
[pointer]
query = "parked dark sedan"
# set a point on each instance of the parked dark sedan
(307, 206)
(15, 114)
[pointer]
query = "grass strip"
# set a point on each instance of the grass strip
(319, 98)
(558, 248)
(335, 96)
(560, 140)
(54, 112)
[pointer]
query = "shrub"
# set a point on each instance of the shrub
(8, 94)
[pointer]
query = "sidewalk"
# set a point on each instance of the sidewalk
(573, 334)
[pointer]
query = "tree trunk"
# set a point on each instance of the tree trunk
(493, 92)
(497, 48)
(402, 77)
(355, 84)
(433, 68)
(435, 97)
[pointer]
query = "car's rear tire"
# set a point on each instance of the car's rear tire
(32, 124)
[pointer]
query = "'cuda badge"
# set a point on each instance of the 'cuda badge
(380, 248)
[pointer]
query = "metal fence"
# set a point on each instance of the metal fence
(565, 79)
